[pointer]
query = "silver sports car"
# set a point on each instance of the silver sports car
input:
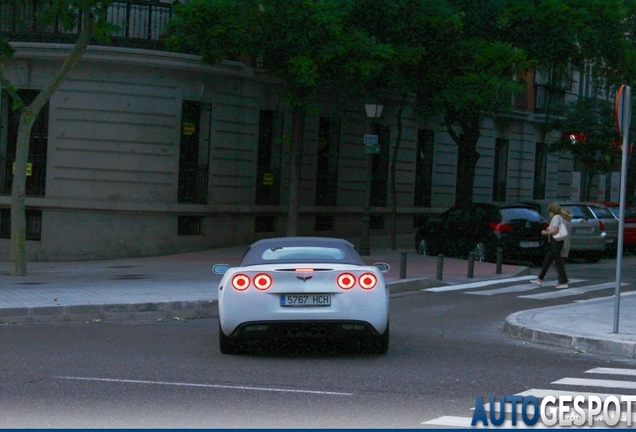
(303, 287)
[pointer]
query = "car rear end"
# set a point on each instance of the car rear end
(519, 232)
(610, 224)
(629, 224)
(303, 300)
(587, 233)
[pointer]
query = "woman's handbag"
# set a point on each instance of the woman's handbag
(563, 232)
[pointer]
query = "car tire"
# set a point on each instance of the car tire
(593, 257)
(226, 344)
(377, 344)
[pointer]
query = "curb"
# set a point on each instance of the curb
(154, 311)
(514, 327)
(110, 312)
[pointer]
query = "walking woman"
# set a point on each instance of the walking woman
(557, 248)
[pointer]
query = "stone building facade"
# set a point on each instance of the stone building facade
(145, 152)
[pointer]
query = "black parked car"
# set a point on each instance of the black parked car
(482, 228)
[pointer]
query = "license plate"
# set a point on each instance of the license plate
(299, 300)
(630, 225)
(584, 230)
(528, 244)
(610, 240)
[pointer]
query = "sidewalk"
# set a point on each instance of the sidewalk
(181, 287)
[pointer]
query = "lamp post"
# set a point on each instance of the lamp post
(371, 147)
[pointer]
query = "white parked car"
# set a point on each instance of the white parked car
(303, 287)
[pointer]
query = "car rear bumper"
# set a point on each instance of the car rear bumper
(340, 329)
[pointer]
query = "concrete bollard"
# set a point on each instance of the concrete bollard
(499, 260)
(440, 266)
(403, 265)
(471, 264)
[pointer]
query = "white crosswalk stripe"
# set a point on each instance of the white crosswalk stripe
(572, 291)
(630, 386)
(479, 284)
(521, 285)
(519, 288)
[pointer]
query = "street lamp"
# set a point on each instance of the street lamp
(371, 146)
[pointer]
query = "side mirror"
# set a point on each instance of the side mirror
(220, 268)
(383, 267)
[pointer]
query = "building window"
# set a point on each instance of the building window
(270, 141)
(36, 164)
(194, 151)
(540, 170)
(264, 223)
(189, 225)
(33, 224)
(325, 222)
(376, 222)
(327, 162)
(500, 170)
(380, 167)
(424, 167)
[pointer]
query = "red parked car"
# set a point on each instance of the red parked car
(629, 225)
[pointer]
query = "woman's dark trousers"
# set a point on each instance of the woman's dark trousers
(554, 254)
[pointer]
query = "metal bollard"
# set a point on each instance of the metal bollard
(403, 265)
(471, 264)
(499, 260)
(440, 266)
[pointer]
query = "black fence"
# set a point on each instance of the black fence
(141, 24)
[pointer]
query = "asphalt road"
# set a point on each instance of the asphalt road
(446, 350)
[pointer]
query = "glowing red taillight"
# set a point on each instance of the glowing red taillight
(500, 227)
(240, 282)
(262, 281)
(367, 281)
(346, 281)
(601, 225)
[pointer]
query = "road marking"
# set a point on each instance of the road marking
(613, 371)
(478, 284)
(571, 291)
(204, 385)
(589, 382)
(509, 289)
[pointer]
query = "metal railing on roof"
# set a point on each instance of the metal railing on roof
(141, 23)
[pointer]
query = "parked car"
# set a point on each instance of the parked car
(629, 224)
(303, 287)
(482, 228)
(602, 213)
(588, 238)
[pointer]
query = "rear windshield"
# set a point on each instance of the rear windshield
(630, 212)
(602, 212)
(519, 213)
(579, 212)
(302, 253)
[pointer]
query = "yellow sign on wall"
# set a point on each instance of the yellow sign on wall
(268, 179)
(29, 168)
(188, 128)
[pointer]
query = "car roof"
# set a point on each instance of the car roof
(253, 256)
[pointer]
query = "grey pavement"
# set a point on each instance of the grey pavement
(181, 287)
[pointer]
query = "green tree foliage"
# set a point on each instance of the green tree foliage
(475, 77)
(89, 16)
(417, 31)
(598, 153)
(305, 43)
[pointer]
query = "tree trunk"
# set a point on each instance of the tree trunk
(27, 118)
(467, 157)
(396, 150)
(295, 168)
